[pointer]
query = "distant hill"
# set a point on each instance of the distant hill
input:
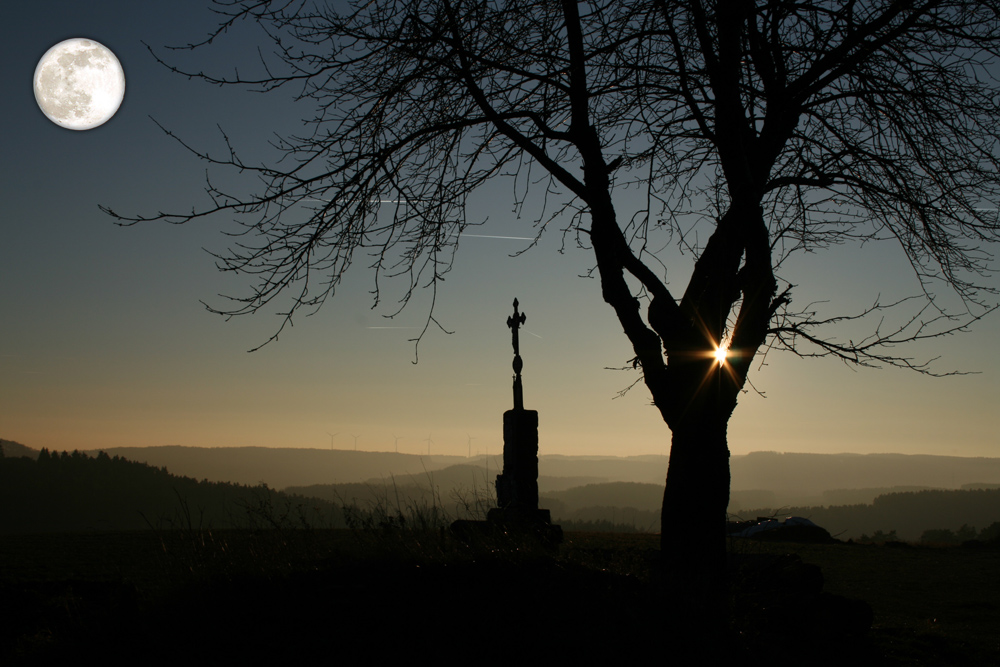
(282, 467)
(613, 494)
(46, 491)
(477, 476)
(75, 492)
(793, 477)
(614, 506)
(909, 514)
(642, 469)
(796, 477)
(759, 479)
(13, 449)
(833, 497)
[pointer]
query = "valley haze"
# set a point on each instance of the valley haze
(758, 479)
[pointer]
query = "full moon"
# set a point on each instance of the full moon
(79, 84)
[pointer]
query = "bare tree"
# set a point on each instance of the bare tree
(787, 126)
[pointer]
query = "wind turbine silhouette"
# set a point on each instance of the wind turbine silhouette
(396, 440)
(332, 436)
(428, 441)
(470, 444)
(355, 441)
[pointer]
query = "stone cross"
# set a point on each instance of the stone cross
(517, 486)
(514, 322)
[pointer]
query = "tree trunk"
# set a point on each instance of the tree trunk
(693, 536)
(695, 500)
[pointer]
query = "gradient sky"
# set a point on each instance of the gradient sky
(104, 343)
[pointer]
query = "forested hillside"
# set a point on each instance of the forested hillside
(72, 491)
(908, 514)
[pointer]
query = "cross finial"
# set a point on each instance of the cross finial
(514, 322)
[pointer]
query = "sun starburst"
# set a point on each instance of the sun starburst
(721, 353)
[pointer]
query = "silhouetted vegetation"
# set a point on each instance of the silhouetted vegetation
(879, 537)
(163, 597)
(597, 526)
(990, 533)
(963, 534)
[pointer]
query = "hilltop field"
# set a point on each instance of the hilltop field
(230, 596)
(105, 556)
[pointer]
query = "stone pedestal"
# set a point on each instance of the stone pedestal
(517, 486)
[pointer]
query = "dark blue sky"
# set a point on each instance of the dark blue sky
(104, 342)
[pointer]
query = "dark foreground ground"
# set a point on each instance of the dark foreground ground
(340, 597)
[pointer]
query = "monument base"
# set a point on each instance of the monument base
(534, 523)
(505, 524)
(514, 516)
(517, 485)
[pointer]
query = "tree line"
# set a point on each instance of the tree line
(908, 514)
